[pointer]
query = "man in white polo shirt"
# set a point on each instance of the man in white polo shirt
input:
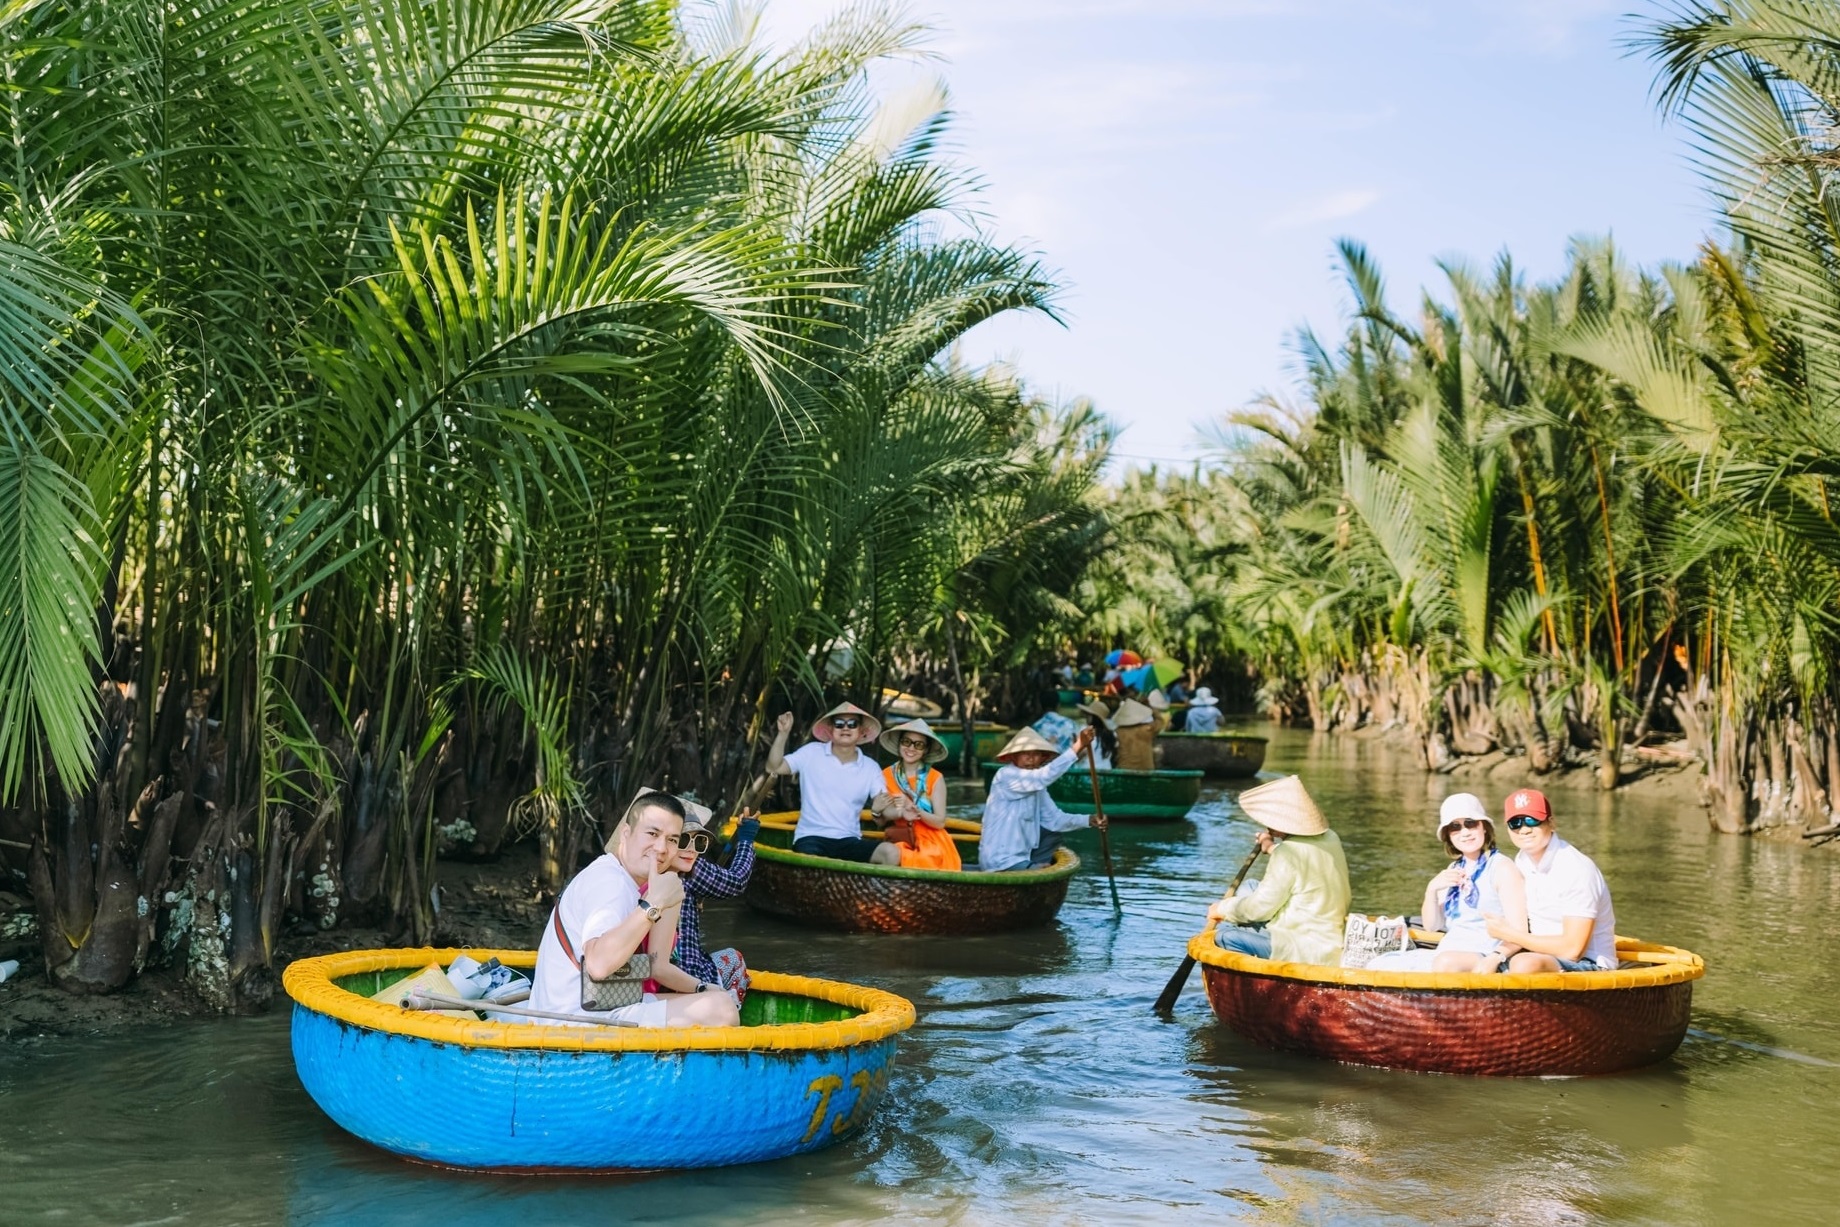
(837, 781)
(1573, 926)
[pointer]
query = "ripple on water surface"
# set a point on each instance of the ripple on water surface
(1037, 1086)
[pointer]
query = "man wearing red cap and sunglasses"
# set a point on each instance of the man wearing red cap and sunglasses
(1573, 926)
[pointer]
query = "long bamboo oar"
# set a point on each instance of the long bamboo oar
(1177, 982)
(1105, 834)
(420, 1000)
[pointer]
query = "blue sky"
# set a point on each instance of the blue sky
(1187, 165)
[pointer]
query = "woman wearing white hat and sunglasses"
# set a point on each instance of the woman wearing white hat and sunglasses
(1479, 885)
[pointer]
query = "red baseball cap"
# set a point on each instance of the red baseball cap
(1526, 801)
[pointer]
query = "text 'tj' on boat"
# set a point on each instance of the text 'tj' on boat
(806, 1068)
(863, 898)
(1550, 1025)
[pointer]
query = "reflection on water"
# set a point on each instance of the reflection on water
(1037, 1086)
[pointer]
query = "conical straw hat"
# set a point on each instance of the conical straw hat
(1283, 805)
(1025, 741)
(1157, 700)
(1131, 713)
(1093, 707)
(871, 726)
(891, 740)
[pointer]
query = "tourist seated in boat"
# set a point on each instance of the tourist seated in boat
(1480, 882)
(626, 902)
(1137, 726)
(919, 833)
(1022, 824)
(1571, 925)
(1297, 911)
(1203, 712)
(837, 781)
(1105, 739)
(703, 878)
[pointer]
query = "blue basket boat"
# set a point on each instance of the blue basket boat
(806, 1068)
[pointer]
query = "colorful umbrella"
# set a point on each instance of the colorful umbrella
(1153, 676)
(1122, 658)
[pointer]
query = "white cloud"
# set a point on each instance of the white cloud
(1329, 207)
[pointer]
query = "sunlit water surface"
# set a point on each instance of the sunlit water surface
(1038, 1087)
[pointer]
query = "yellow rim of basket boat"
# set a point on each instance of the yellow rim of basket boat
(310, 982)
(1663, 965)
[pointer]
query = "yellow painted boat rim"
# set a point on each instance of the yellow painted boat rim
(1658, 966)
(312, 985)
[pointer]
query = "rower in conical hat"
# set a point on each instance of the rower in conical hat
(1022, 823)
(1137, 726)
(1297, 912)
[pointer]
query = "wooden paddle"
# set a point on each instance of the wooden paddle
(1105, 834)
(421, 1000)
(1167, 1001)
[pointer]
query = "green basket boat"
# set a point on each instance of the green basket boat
(991, 738)
(1228, 755)
(1130, 796)
(857, 898)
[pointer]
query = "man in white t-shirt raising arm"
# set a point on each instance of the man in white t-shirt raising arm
(1573, 926)
(600, 922)
(837, 781)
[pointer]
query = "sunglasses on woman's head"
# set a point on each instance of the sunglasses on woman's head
(844, 722)
(1468, 824)
(913, 743)
(1521, 822)
(697, 841)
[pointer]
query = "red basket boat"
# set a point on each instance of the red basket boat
(1593, 1022)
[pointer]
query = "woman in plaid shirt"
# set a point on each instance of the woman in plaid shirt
(704, 879)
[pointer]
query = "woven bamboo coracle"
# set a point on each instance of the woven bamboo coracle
(1562, 1024)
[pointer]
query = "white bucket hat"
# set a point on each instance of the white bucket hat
(1285, 806)
(1204, 698)
(1460, 805)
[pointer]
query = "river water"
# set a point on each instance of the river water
(1038, 1086)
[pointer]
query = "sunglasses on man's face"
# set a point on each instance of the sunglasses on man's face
(844, 722)
(1468, 824)
(696, 841)
(1521, 822)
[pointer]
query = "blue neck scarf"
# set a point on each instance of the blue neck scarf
(1471, 891)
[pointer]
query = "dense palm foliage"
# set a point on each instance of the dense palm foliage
(1553, 518)
(429, 420)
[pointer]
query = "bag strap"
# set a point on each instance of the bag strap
(563, 936)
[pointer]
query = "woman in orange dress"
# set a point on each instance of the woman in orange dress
(920, 795)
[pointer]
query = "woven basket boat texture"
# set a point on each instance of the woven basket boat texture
(808, 1066)
(1130, 796)
(857, 898)
(1566, 1024)
(1227, 755)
